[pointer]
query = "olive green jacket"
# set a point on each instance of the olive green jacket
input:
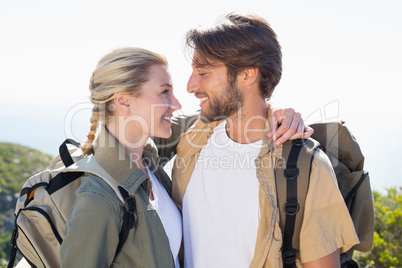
(96, 220)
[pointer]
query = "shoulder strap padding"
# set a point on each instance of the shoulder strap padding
(89, 165)
(303, 163)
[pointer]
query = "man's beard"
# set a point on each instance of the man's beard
(224, 104)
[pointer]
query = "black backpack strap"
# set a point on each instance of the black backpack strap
(347, 261)
(128, 219)
(62, 179)
(292, 178)
(14, 248)
(291, 207)
(65, 154)
(354, 189)
(65, 178)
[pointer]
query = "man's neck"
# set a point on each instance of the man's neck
(248, 124)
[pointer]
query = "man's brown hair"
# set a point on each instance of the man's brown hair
(240, 42)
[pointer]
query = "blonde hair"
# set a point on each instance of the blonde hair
(123, 70)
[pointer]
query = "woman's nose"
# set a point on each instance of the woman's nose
(175, 104)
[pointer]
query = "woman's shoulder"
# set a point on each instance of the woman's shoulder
(96, 188)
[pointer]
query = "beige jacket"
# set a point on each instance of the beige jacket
(326, 226)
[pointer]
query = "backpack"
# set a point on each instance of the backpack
(292, 180)
(46, 201)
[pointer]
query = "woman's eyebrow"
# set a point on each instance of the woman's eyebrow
(166, 85)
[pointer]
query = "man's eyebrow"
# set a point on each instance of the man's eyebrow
(202, 66)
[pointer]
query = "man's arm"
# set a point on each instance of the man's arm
(330, 261)
(167, 147)
(327, 229)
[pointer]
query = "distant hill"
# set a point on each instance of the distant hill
(17, 164)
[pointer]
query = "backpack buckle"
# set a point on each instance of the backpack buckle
(291, 173)
(129, 203)
(289, 256)
(299, 142)
(291, 208)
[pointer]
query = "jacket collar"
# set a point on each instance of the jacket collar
(111, 156)
(197, 137)
(268, 144)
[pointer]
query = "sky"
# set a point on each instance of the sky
(342, 60)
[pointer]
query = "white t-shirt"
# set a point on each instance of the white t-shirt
(220, 205)
(169, 215)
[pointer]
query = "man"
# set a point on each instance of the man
(223, 177)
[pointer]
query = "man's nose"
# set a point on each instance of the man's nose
(192, 84)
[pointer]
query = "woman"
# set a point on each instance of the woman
(132, 93)
(133, 99)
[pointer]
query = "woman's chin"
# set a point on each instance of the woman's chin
(163, 134)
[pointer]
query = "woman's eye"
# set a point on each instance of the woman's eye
(201, 74)
(165, 92)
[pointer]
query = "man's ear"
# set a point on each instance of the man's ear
(122, 103)
(249, 76)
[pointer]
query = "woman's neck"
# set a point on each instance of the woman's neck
(132, 142)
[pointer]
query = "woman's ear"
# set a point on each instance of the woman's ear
(123, 103)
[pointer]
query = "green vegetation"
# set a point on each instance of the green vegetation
(17, 163)
(387, 246)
